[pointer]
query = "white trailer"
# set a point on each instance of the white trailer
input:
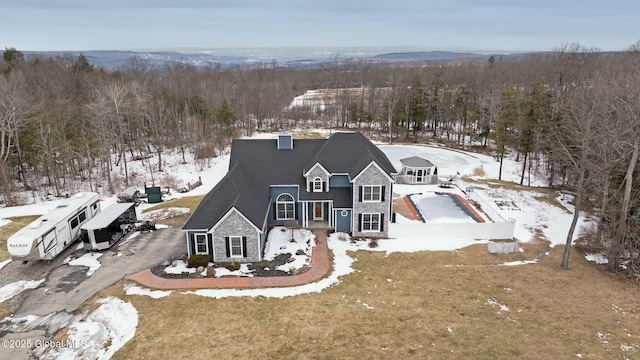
(51, 233)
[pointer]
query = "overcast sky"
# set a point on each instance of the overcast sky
(466, 25)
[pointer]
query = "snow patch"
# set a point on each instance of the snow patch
(10, 290)
(518, 262)
(179, 267)
(4, 263)
(598, 258)
(133, 235)
(279, 242)
(495, 302)
(4, 222)
(100, 334)
(89, 260)
(242, 272)
(131, 289)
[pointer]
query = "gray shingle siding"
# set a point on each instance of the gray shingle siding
(236, 225)
(371, 176)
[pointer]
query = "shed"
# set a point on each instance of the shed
(417, 170)
(154, 194)
(109, 226)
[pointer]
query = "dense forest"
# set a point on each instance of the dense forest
(572, 114)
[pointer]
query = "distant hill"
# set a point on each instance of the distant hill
(427, 56)
(113, 59)
(295, 58)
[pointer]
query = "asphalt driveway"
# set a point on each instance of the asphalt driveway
(67, 287)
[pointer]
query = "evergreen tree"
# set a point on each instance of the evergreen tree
(507, 118)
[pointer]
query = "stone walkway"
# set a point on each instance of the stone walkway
(319, 267)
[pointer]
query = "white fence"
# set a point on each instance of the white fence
(478, 231)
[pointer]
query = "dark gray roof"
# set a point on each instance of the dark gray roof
(416, 161)
(257, 164)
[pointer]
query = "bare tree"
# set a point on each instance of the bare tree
(14, 111)
(574, 138)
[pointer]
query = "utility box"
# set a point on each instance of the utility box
(154, 195)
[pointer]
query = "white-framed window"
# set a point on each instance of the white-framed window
(370, 222)
(344, 213)
(317, 185)
(201, 246)
(285, 207)
(235, 246)
(371, 193)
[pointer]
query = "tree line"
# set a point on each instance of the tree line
(571, 114)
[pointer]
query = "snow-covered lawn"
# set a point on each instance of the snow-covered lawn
(97, 335)
(530, 212)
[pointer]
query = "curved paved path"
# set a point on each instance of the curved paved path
(319, 267)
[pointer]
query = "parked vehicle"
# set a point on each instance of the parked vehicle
(54, 231)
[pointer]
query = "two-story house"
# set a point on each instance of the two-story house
(344, 183)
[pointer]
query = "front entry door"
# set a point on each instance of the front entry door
(318, 211)
(420, 176)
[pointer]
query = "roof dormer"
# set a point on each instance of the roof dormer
(317, 178)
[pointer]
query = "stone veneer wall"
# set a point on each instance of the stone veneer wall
(317, 172)
(372, 176)
(236, 225)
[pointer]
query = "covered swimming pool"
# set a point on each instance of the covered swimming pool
(438, 207)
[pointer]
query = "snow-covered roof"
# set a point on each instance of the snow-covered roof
(107, 216)
(416, 161)
(129, 192)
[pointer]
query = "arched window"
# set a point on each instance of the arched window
(317, 185)
(285, 207)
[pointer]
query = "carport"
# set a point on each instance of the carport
(109, 226)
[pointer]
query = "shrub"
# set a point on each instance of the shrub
(373, 243)
(232, 266)
(198, 260)
(479, 171)
(170, 181)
